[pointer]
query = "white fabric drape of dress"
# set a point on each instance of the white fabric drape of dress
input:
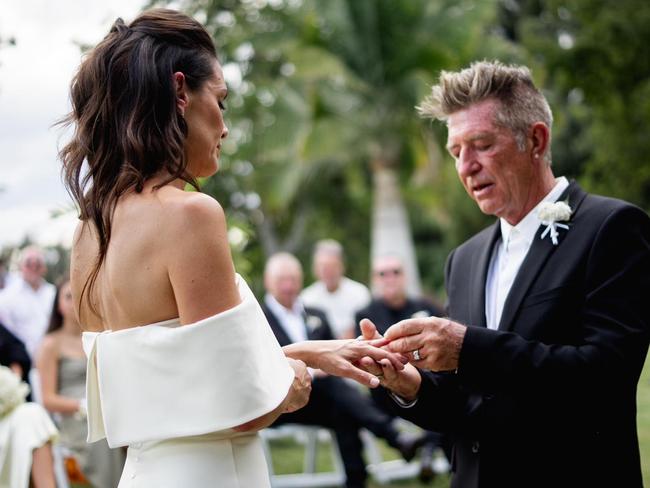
(173, 394)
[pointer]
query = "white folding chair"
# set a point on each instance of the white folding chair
(309, 436)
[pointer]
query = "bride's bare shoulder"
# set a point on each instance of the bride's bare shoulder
(183, 209)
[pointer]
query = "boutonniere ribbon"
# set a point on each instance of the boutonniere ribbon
(551, 213)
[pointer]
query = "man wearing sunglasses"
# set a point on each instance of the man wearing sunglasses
(391, 304)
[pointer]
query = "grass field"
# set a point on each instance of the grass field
(287, 456)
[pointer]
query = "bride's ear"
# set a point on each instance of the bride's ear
(182, 97)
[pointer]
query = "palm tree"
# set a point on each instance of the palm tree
(325, 107)
(394, 49)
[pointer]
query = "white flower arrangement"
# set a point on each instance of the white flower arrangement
(550, 213)
(12, 390)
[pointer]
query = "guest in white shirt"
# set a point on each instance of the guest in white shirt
(337, 295)
(25, 305)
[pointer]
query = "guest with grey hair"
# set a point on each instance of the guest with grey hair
(333, 292)
(26, 303)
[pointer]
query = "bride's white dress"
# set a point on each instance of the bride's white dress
(172, 395)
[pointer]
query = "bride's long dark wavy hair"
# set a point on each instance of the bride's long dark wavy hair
(124, 111)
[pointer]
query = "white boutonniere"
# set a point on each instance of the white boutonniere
(313, 322)
(12, 390)
(551, 213)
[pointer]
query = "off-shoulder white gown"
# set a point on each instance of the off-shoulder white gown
(172, 395)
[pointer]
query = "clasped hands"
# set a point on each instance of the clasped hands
(430, 343)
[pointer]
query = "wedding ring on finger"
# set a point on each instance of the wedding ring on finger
(416, 355)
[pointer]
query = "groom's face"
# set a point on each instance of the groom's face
(494, 171)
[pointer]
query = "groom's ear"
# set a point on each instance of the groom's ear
(539, 138)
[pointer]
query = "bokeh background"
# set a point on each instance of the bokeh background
(324, 138)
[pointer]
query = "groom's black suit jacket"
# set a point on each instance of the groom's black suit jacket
(549, 399)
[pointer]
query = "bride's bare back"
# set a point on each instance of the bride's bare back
(168, 257)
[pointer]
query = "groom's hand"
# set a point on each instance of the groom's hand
(369, 330)
(405, 382)
(432, 343)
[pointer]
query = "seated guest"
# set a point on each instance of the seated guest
(334, 403)
(26, 303)
(334, 293)
(61, 364)
(390, 305)
(26, 433)
(13, 354)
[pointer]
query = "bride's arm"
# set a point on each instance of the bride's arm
(199, 263)
(202, 276)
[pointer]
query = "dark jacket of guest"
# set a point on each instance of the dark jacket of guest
(12, 350)
(384, 316)
(318, 328)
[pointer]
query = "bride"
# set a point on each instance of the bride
(182, 366)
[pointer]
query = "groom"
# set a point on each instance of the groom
(534, 375)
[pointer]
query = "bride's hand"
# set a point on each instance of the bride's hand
(300, 388)
(341, 357)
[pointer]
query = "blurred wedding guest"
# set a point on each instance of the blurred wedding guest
(25, 305)
(61, 364)
(26, 434)
(391, 304)
(5, 276)
(337, 295)
(13, 354)
(334, 403)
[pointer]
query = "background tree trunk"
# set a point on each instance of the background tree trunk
(391, 231)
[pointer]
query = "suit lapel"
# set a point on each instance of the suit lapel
(278, 330)
(540, 251)
(479, 273)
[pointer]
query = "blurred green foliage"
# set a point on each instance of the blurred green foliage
(323, 91)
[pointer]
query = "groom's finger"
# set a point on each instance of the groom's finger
(388, 371)
(405, 344)
(371, 366)
(404, 328)
(379, 354)
(369, 330)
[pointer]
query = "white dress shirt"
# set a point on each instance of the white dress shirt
(509, 254)
(291, 320)
(340, 306)
(25, 312)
